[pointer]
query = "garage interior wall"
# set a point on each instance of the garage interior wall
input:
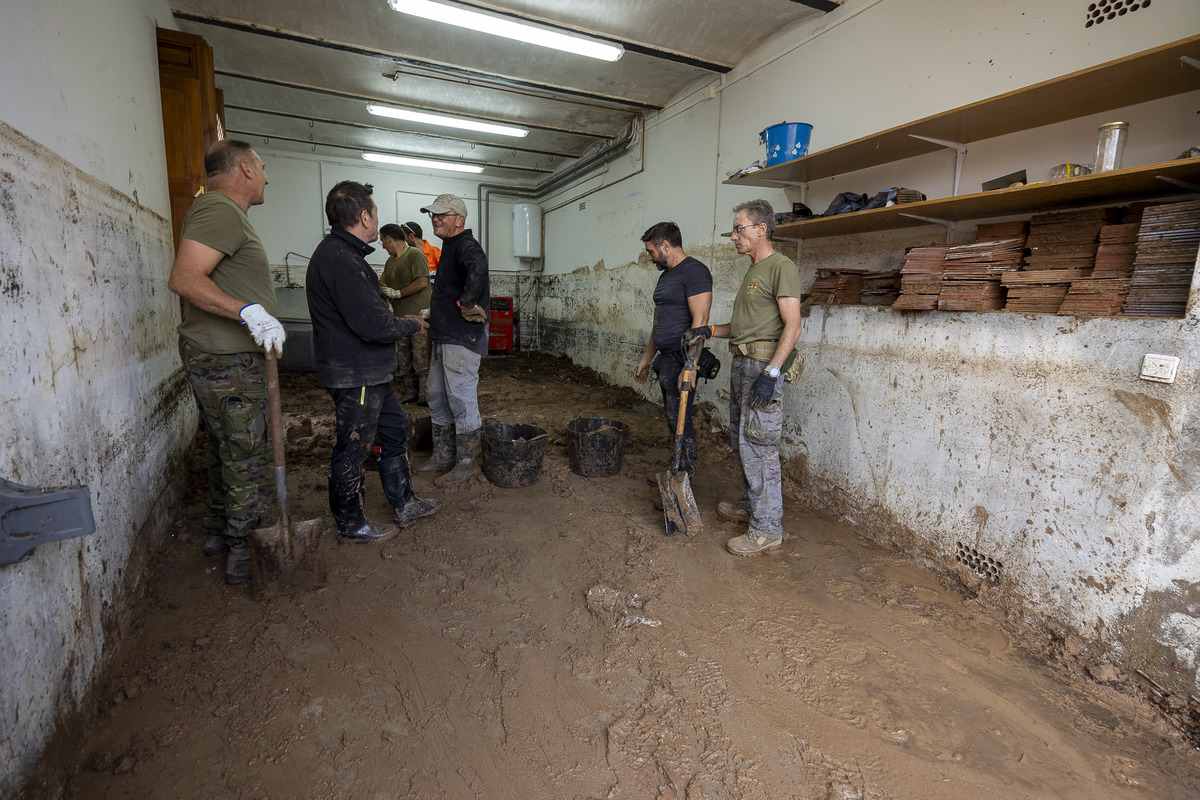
(91, 388)
(1029, 438)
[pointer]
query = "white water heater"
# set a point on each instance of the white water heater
(527, 230)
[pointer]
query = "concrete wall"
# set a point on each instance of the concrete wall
(91, 389)
(1028, 438)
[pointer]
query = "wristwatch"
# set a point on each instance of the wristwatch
(772, 371)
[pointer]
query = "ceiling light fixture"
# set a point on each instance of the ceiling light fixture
(445, 120)
(406, 161)
(509, 28)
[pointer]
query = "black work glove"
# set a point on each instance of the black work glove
(697, 335)
(763, 391)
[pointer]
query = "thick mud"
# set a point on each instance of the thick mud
(552, 642)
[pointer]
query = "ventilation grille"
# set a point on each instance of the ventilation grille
(985, 566)
(1105, 10)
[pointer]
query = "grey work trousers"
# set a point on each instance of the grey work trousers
(453, 387)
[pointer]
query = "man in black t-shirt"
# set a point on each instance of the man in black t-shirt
(682, 300)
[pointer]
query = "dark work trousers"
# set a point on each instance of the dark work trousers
(360, 411)
(668, 365)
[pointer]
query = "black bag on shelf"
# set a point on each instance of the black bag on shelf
(846, 202)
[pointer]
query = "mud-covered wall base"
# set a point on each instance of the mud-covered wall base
(91, 393)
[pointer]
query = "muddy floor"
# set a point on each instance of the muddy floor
(551, 642)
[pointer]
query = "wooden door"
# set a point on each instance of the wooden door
(191, 122)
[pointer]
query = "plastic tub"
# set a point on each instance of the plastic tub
(786, 141)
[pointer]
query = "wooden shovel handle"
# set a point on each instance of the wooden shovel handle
(276, 411)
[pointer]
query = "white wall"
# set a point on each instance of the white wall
(91, 389)
(293, 217)
(1028, 437)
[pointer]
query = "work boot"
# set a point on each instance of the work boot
(733, 512)
(398, 488)
(466, 448)
(237, 564)
(422, 378)
(410, 388)
(215, 544)
(346, 503)
(751, 544)
(443, 449)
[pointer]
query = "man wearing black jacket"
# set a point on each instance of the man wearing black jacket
(458, 328)
(354, 335)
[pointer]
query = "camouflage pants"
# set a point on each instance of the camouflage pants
(754, 435)
(412, 365)
(231, 391)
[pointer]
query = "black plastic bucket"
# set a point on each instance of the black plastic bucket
(512, 454)
(596, 445)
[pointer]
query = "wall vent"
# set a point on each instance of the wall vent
(1105, 10)
(985, 566)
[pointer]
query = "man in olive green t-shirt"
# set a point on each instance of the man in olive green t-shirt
(405, 281)
(222, 274)
(762, 332)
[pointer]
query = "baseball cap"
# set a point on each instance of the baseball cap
(446, 203)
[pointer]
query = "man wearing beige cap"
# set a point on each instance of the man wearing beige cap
(458, 329)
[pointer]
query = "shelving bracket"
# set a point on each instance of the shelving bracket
(1195, 62)
(1188, 185)
(949, 225)
(960, 150)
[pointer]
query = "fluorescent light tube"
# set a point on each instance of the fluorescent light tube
(509, 28)
(444, 120)
(406, 161)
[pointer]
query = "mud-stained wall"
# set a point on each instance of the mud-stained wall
(91, 391)
(1029, 439)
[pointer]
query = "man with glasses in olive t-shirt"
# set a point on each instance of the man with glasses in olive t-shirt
(762, 332)
(222, 274)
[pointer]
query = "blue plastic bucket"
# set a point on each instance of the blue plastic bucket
(786, 141)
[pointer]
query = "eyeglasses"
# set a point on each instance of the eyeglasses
(444, 215)
(739, 228)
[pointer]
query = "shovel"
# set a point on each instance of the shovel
(286, 557)
(675, 486)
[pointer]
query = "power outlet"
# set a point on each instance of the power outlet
(1161, 369)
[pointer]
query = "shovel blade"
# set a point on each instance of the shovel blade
(280, 569)
(679, 504)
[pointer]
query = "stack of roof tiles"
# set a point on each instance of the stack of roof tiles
(880, 288)
(1062, 249)
(971, 279)
(1103, 293)
(841, 287)
(1168, 240)
(921, 278)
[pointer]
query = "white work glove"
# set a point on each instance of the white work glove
(266, 331)
(389, 292)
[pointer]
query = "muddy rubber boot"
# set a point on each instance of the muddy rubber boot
(237, 564)
(410, 389)
(398, 488)
(215, 544)
(466, 447)
(422, 378)
(346, 504)
(443, 449)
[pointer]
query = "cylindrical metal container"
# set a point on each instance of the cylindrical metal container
(1110, 146)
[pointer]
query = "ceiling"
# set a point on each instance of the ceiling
(300, 75)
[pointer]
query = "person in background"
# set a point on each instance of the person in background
(222, 274)
(354, 335)
(762, 332)
(682, 300)
(458, 328)
(412, 235)
(405, 282)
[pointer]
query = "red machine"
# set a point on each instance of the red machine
(500, 327)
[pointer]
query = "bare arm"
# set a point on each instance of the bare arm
(643, 366)
(789, 310)
(190, 280)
